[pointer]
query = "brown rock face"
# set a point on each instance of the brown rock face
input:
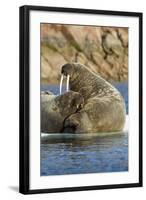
(103, 49)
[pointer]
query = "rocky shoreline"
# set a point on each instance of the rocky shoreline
(103, 49)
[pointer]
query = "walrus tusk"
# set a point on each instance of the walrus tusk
(67, 83)
(61, 81)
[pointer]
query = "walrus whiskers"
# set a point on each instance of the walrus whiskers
(67, 83)
(61, 81)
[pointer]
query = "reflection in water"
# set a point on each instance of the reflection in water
(78, 153)
(89, 153)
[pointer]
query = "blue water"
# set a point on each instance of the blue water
(76, 154)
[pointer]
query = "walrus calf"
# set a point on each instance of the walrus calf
(55, 109)
(104, 107)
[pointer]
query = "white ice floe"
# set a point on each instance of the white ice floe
(69, 135)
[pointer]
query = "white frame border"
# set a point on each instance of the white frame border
(132, 176)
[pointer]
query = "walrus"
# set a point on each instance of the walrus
(104, 107)
(56, 108)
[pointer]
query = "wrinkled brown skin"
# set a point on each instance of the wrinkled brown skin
(55, 109)
(104, 107)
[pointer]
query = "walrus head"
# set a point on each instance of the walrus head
(55, 109)
(74, 69)
(79, 79)
(67, 69)
(71, 70)
(69, 103)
